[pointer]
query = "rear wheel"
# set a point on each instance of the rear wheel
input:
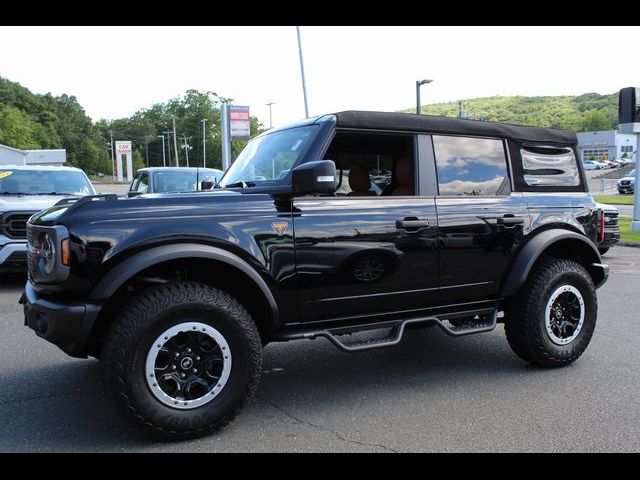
(552, 319)
(182, 358)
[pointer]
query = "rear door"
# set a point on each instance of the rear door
(480, 219)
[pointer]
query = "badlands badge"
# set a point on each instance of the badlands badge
(279, 227)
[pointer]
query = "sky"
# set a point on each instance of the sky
(115, 71)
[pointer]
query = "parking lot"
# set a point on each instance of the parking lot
(431, 393)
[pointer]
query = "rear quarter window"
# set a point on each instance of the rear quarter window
(549, 166)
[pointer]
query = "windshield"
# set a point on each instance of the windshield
(632, 173)
(268, 158)
(44, 182)
(181, 181)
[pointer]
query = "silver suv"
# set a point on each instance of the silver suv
(25, 190)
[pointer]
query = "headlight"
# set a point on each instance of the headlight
(48, 256)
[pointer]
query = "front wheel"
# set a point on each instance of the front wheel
(551, 321)
(182, 358)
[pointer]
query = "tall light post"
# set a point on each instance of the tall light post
(419, 83)
(164, 161)
(204, 142)
(270, 117)
(304, 83)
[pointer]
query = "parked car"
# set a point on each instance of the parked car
(611, 228)
(173, 180)
(25, 190)
(178, 294)
(591, 166)
(627, 184)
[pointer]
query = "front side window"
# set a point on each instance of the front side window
(268, 158)
(143, 183)
(470, 166)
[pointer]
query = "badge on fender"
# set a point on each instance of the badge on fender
(280, 227)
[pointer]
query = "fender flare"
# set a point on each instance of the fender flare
(532, 250)
(120, 273)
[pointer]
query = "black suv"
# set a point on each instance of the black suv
(352, 226)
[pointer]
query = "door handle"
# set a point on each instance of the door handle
(412, 223)
(510, 221)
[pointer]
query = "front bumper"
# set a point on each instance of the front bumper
(610, 238)
(13, 256)
(66, 325)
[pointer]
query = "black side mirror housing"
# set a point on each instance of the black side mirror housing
(206, 185)
(133, 194)
(317, 177)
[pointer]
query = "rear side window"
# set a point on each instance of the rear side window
(549, 166)
(470, 166)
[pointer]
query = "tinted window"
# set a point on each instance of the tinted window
(470, 166)
(549, 166)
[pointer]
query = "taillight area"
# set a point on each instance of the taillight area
(600, 225)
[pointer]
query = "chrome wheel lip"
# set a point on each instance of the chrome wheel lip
(551, 311)
(152, 356)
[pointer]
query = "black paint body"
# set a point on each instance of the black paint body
(310, 251)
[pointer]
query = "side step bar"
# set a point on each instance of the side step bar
(454, 324)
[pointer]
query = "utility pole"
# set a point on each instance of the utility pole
(460, 109)
(164, 162)
(204, 142)
(168, 134)
(304, 83)
(175, 142)
(146, 148)
(270, 117)
(113, 158)
(186, 148)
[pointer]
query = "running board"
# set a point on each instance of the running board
(454, 324)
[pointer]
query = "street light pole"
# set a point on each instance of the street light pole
(304, 83)
(270, 117)
(164, 161)
(419, 83)
(204, 143)
(168, 134)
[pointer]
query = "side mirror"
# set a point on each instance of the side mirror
(133, 194)
(317, 177)
(206, 185)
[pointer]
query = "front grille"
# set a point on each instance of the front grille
(14, 225)
(610, 219)
(29, 256)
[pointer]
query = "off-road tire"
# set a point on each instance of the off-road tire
(132, 334)
(525, 314)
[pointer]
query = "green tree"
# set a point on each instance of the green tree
(17, 128)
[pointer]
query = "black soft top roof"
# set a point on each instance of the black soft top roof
(433, 124)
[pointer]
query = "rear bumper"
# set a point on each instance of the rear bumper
(66, 325)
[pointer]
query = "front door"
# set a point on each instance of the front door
(364, 256)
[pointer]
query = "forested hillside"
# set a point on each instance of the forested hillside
(590, 111)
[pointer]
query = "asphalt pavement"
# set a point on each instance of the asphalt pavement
(430, 393)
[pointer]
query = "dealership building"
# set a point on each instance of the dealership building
(606, 145)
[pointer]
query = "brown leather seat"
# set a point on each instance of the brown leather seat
(404, 177)
(359, 182)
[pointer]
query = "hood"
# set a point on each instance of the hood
(29, 203)
(607, 208)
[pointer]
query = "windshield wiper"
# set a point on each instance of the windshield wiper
(240, 184)
(53, 193)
